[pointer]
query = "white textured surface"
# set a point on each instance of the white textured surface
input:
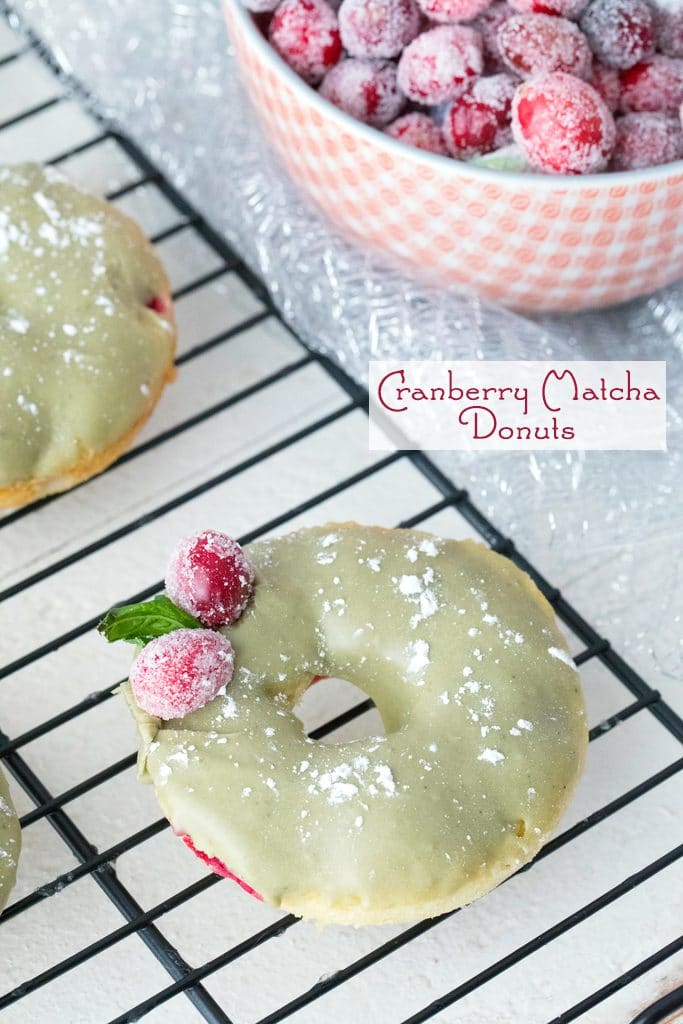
(532, 992)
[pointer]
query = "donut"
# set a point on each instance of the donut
(10, 842)
(87, 336)
(481, 703)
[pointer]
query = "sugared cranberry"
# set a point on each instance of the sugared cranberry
(669, 26)
(440, 64)
(365, 89)
(656, 85)
(418, 130)
(306, 35)
(479, 121)
(606, 82)
(621, 33)
(453, 10)
(646, 140)
(470, 128)
(378, 28)
(560, 8)
(180, 672)
(210, 577)
(488, 24)
(562, 125)
(534, 44)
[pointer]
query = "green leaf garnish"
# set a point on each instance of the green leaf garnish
(140, 623)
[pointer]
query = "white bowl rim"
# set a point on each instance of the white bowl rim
(554, 183)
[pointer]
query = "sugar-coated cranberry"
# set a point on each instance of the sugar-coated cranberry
(606, 82)
(488, 24)
(470, 128)
(562, 125)
(621, 33)
(560, 8)
(438, 65)
(453, 10)
(534, 44)
(646, 140)
(306, 35)
(365, 89)
(669, 26)
(180, 672)
(378, 28)
(418, 130)
(210, 577)
(655, 85)
(479, 121)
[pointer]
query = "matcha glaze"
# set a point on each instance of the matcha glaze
(484, 718)
(82, 358)
(10, 842)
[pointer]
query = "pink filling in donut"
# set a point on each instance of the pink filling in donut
(158, 303)
(218, 866)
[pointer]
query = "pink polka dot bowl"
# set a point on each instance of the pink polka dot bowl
(529, 241)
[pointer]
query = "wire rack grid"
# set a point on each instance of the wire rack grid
(242, 356)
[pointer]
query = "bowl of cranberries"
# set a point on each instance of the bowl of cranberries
(530, 150)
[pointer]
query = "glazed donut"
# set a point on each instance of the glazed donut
(482, 707)
(87, 336)
(10, 842)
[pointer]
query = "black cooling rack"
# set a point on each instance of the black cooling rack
(100, 864)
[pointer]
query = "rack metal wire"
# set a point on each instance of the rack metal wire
(100, 865)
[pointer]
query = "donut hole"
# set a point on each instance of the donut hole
(329, 697)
